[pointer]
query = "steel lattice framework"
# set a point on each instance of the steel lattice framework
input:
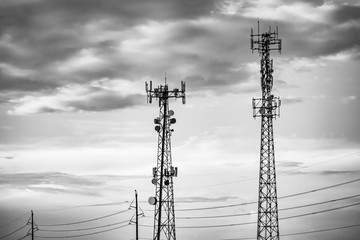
(268, 108)
(163, 173)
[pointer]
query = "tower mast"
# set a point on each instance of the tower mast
(163, 173)
(268, 108)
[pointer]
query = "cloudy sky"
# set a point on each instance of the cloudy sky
(77, 136)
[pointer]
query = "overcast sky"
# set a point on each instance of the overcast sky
(77, 136)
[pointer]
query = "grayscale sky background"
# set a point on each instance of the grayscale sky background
(77, 136)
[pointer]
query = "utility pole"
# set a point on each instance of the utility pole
(136, 207)
(137, 216)
(33, 225)
(268, 108)
(163, 173)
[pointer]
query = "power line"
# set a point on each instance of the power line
(322, 211)
(321, 230)
(283, 197)
(13, 232)
(319, 203)
(81, 229)
(211, 226)
(320, 189)
(87, 234)
(318, 163)
(280, 172)
(90, 220)
(302, 233)
(283, 218)
(283, 209)
(23, 237)
(215, 207)
(6, 224)
(83, 206)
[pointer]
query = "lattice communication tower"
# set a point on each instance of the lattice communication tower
(163, 173)
(268, 108)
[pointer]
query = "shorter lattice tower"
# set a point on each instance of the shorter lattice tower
(163, 173)
(268, 109)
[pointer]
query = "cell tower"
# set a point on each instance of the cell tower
(163, 173)
(268, 108)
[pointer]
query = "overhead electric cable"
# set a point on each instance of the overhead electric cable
(23, 237)
(301, 233)
(81, 229)
(90, 220)
(6, 224)
(280, 172)
(13, 232)
(83, 206)
(215, 207)
(283, 218)
(322, 211)
(283, 209)
(319, 203)
(87, 234)
(283, 197)
(318, 163)
(321, 230)
(320, 189)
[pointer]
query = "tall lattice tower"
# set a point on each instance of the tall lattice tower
(163, 173)
(268, 108)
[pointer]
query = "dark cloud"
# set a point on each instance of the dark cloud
(45, 35)
(106, 101)
(345, 13)
(316, 3)
(11, 83)
(340, 40)
(128, 10)
(330, 30)
(39, 16)
(65, 42)
(327, 38)
(216, 75)
(73, 98)
(80, 11)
